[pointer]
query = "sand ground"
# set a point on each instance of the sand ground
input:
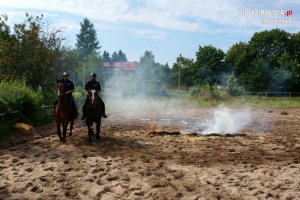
(128, 164)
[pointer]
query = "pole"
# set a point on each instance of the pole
(83, 74)
(179, 73)
(73, 75)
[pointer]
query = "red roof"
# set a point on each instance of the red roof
(130, 66)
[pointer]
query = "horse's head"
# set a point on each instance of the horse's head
(93, 96)
(60, 87)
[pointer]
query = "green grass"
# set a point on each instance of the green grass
(270, 102)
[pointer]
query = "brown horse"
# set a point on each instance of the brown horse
(63, 112)
(93, 114)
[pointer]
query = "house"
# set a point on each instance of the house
(114, 73)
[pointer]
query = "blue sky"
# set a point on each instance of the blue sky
(165, 27)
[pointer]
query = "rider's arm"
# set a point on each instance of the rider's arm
(98, 87)
(73, 88)
(70, 91)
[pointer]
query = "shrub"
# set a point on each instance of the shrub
(233, 87)
(16, 96)
(207, 92)
(79, 96)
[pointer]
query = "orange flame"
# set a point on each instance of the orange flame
(154, 127)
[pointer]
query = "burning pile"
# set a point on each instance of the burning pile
(224, 122)
(155, 130)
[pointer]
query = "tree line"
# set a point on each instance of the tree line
(33, 52)
(270, 61)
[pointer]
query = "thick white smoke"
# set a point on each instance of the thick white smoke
(228, 121)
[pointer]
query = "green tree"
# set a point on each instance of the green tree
(106, 57)
(147, 67)
(93, 64)
(267, 62)
(187, 72)
(70, 63)
(32, 53)
(87, 41)
(209, 65)
(151, 77)
(114, 57)
(233, 86)
(122, 56)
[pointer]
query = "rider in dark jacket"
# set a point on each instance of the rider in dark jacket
(92, 84)
(69, 89)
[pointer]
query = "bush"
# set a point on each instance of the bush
(233, 87)
(207, 92)
(16, 96)
(79, 96)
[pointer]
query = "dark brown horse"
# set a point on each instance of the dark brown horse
(63, 112)
(93, 114)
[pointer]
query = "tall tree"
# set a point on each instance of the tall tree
(114, 57)
(32, 53)
(122, 57)
(267, 62)
(106, 57)
(209, 65)
(151, 77)
(183, 72)
(118, 57)
(87, 41)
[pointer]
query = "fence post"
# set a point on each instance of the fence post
(290, 94)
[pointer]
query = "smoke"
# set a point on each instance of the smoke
(228, 121)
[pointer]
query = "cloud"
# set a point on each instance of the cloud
(157, 35)
(188, 15)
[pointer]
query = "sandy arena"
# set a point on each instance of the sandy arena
(127, 163)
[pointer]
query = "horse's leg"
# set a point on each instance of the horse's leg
(65, 126)
(89, 131)
(71, 127)
(58, 131)
(98, 130)
(92, 130)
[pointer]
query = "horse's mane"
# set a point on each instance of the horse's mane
(59, 80)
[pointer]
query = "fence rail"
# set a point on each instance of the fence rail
(268, 94)
(2, 115)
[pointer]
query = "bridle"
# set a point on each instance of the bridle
(59, 92)
(93, 95)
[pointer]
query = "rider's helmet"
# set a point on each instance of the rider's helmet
(93, 74)
(66, 74)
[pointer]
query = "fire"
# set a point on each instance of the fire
(154, 129)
